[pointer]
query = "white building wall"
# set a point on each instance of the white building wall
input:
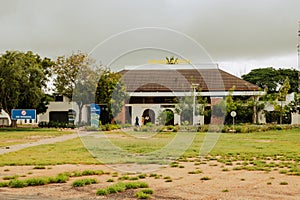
(138, 110)
(4, 118)
(64, 106)
(295, 118)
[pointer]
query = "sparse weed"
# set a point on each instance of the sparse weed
(83, 182)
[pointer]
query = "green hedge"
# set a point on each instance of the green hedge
(53, 124)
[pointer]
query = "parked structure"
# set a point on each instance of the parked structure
(64, 110)
(157, 88)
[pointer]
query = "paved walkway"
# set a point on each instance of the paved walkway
(62, 138)
(52, 140)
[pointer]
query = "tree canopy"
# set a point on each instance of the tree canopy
(111, 92)
(76, 79)
(272, 79)
(23, 79)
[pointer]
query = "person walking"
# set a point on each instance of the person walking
(137, 121)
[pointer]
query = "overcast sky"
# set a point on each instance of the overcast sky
(238, 34)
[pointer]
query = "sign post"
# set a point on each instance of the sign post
(95, 115)
(23, 114)
(233, 114)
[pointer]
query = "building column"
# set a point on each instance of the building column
(219, 118)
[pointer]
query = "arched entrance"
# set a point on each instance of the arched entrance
(148, 116)
(169, 117)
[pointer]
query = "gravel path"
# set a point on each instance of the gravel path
(62, 138)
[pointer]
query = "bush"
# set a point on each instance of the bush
(61, 179)
(205, 178)
(39, 167)
(83, 182)
(168, 128)
(142, 195)
(121, 187)
(102, 192)
(10, 177)
(54, 124)
(36, 181)
(17, 183)
(147, 191)
(4, 184)
(246, 128)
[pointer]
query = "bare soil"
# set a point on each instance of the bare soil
(223, 184)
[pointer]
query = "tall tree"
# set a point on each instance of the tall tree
(184, 107)
(76, 79)
(23, 79)
(111, 92)
(283, 91)
(273, 79)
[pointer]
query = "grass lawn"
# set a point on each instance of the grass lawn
(283, 145)
(11, 136)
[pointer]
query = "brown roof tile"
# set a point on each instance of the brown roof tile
(181, 80)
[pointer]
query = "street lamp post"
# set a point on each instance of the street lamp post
(194, 85)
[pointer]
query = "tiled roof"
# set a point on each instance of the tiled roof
(181, 80)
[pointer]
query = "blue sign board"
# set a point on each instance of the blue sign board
(95, 115)
(23, 114)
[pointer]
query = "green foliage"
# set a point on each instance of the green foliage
(283, 183)
(4, 184)
(15, 183)
(39, 167)
(185, 107)
(205, 178)
(52, 124)
(219, 109)
(142, 195)
(83, 182)
(102, 192)
(61, 178)
(111, 92)
(169, 128)
(195, 172)
(270, 78)
(121, 187)
(147, 191)
(10, 177)
(166, 117)
(75, 78)
(23, 78)
(37, 181)
(294, 106)
(283, 91)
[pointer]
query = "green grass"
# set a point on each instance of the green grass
(10, 177)
(143, 195)
(67, 152)
(205, 178)
(283, 183)
(252, 150)
(60, 178)
(121, 187)
(12, 136)
(195, 172)
(83, 182)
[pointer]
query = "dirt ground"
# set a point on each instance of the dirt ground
(223, 185)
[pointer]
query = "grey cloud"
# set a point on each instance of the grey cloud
(228, 29)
